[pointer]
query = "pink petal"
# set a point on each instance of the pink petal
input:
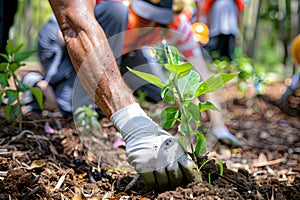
(118, 142)
(48, 128)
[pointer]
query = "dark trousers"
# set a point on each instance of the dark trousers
(221, 47)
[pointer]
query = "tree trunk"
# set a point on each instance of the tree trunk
(28, 22)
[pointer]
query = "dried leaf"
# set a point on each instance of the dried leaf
(77, 194)
(37, 164)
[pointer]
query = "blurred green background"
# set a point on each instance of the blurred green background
(268, 29)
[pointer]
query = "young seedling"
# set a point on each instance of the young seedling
(183, 87)
(13, 61)
(87, 118)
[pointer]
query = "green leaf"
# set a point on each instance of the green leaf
(168, 95)
(179, 69)
(13, 67)
(188, 85)
(3, 66)
(148, 77)
(16, 110)
(7, 111)
(194, 111)
(23, 55)
(214, 82)
(201, 144)
(182, 142)
(185, 128)
(81, 116)
(203, 106)
(4, 56)
(168, 117)
(79, 110)
(10, 48)
(4, 80)
(220, 165)
(17, 49)
(11, 95)
(21, 86)
(172, 55)
(95, 123)
(38, 95)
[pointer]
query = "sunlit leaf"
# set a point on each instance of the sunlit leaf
(38, 96)
(201, 144)
(148, 77)
(181, 69)
(168, 117)
(203, 106)
(188, 85)
(172, 55)
(185, 128)
(214, 83)
(23, 55)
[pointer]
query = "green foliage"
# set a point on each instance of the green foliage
(248, 74)
(87, 118)
(183, 87)
(13, 61)
(30, 17)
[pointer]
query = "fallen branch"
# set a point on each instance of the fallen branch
(271, 162)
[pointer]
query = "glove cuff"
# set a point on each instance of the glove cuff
(128, 119)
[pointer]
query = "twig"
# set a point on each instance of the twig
(271, 162)
(232, 181)
(3, 173)
(132, 182)
(89, 173)
(60, 182)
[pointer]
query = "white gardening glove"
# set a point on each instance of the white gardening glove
(156, 155)
(222, 133)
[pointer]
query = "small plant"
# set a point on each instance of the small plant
(182, 88)
(87, 118)
(11, 92)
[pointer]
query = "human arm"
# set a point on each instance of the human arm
(98, 72)
(91, 55)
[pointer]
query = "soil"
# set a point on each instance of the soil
(60, 163)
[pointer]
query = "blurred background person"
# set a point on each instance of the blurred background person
(223, 18)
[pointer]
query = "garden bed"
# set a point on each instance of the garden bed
(62, 164)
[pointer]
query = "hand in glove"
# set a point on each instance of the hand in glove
(222, 133)
(156, 155)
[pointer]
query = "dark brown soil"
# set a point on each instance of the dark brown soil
(37, 164)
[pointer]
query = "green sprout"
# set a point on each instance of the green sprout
(183, 87)
(11, 93)
(87, 118)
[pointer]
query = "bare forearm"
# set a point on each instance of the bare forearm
(91, 55)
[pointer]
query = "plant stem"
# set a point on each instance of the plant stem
(19, 118)
(185, 119)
